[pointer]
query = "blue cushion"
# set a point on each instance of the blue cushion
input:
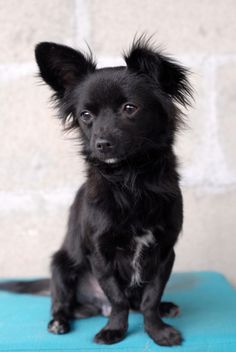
(207, 321)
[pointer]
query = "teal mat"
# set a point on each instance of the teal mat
(207, 321)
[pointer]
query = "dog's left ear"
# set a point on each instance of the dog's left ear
(170, 76)
(61, 66)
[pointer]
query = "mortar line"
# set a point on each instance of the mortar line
(82, 24)
(13, 70)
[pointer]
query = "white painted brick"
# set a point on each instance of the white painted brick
(208, 240)
(25, 23)
(40, 170)
(226, 113)
(29, 238)
(192, 141)
(183, 27)
(34, 153)
(82, 24)
(201, 151)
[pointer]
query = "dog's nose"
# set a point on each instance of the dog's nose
(103, 145)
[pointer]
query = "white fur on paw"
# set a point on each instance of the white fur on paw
(106, 310)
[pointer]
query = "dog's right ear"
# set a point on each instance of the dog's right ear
(165, 72)
(62, 67)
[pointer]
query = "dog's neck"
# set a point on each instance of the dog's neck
(140, 163)
(150, 172)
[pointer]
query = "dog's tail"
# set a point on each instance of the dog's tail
(34, 287)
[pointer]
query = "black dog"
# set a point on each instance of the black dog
(118, 252)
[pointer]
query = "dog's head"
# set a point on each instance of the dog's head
(120, 111)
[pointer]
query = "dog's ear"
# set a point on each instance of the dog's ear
(170, 76)
(60, 66)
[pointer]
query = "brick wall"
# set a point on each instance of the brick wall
(39, 166)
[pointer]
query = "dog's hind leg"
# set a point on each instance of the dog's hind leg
(63, 290)
(90, 297)
(85, 311)
(169, 310)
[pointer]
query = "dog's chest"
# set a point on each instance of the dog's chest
(132, 260)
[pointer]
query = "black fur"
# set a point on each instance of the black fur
(39, 287)
(126, 218)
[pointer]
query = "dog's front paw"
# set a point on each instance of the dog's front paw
(58, 327)
(166, 336)
(109, 336)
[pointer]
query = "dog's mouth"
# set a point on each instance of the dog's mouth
(111, 161)
(108, 160)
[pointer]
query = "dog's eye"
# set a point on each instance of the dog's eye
(86, 116)
(130, 109)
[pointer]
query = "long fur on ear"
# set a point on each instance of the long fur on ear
(169, 75)
(61, 66)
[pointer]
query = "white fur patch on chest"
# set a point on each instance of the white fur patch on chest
(141, 242)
